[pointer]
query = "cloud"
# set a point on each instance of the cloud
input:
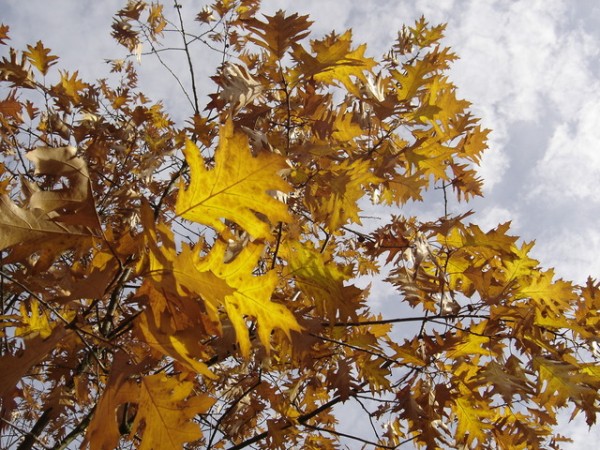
(570, 169)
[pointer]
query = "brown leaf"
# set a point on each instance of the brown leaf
(14, 367)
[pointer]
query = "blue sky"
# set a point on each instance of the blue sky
(531, 68)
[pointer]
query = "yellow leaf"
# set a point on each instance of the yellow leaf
(279, 32)
(471, 418)
(56, 215)
(472, 343)
(166, 408)
(75, 201)
(18, 225)
(252, 295)
(166, 411)
(323, 281)
(40, 57)
(182, 345)
(3, 33)
(334, 60)
(34, 324)
(560, 382)
(335, 200)
(175, 272)
(72, 85)
(539, 287)
(237, 189)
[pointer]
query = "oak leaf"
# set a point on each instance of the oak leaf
(3, 33)
(279, 32)
(237, 189)
(473, 342)
(334, 61)
(560, 382)
(472, 420)
(40, 57)
(252, 295)
(33, 323)
(322, 280)
(73, 202)
(335, 202)
(165, 410)
(22, 226)
(14, 367)
(181, 345)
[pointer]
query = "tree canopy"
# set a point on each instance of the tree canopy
(204, 282)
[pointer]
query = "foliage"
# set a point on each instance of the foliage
(202, 283)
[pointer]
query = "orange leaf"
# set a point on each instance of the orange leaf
(3, 33)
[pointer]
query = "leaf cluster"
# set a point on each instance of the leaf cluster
(201, 283)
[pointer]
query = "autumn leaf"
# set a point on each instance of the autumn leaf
(334, 61)
(252, 295)
(35, 323)
(234, 299)
(14, 367)
(336, 202)
(11, 107)
(559, 382)
(74, 202)
(544, 291)
(21, 226)
(473, 342)
(181, 345)
(473, 421)
(323, 281)
(279, 32)
(165, 410)
(3, 33)
(72, 85)
(40, 57)
(237, 189)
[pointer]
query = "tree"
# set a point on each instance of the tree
(167, 284)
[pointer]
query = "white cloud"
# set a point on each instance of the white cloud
(575, 253)
(570, 168)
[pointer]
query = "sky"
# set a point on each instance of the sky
(531, 69)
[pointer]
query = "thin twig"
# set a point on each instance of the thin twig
(189, 58)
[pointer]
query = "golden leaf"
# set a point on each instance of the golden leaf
(252, 295)
(18, 226)
(323, 281)
(334, 60)
(181, 345)
(34, 323)
(71, 85)
(554, 296)
(40, 57)
(73, 203)
(471, 416)
(473, 342)
(3, 33)
(164, 418)
(335, 201)
(560, 382)
(279, 32)
(237, 189)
